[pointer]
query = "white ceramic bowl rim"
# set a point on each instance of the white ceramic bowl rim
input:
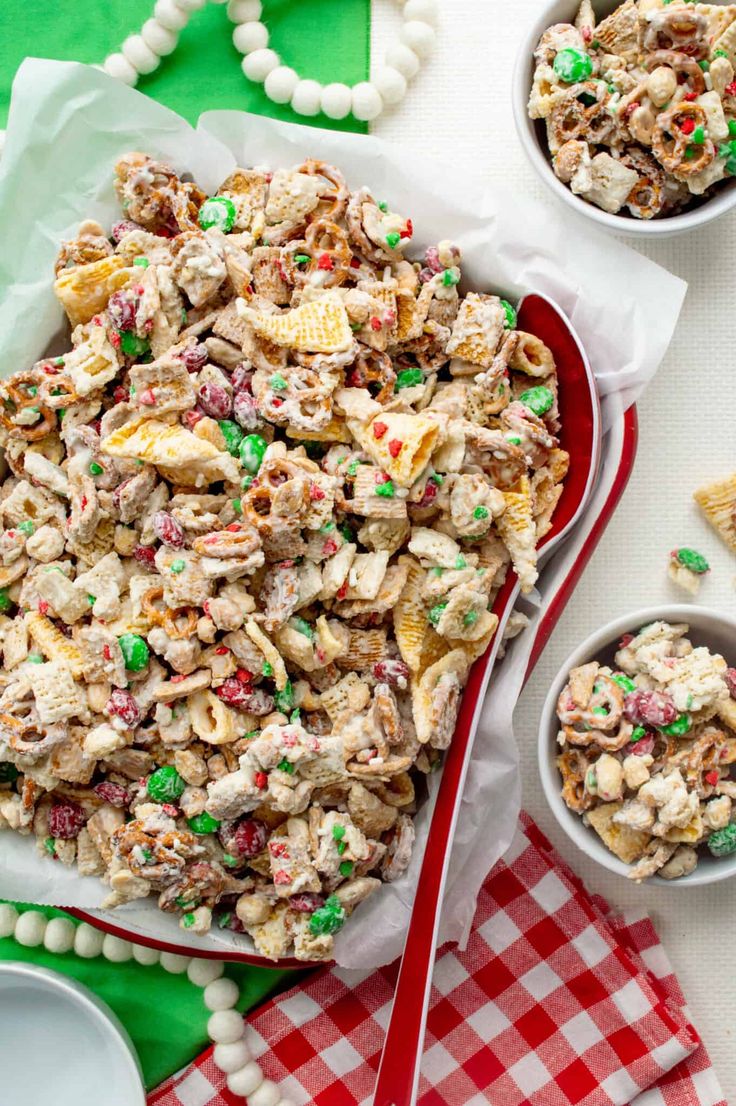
(704, 624)
(560, 11)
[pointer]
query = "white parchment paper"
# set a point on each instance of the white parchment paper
(68, 124)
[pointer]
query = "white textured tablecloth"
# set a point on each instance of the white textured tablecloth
(458, 109)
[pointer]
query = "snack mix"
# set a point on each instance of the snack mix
(254, 525)
(640, 109)
(647, 750)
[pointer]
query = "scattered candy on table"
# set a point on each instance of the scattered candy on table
(686, 569)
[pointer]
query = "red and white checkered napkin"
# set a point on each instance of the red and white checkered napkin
(555, 1001)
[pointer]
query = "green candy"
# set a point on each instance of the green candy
(302, 258)
(623, 681)
(303, 627)
(267, 669)
(386, 489)
(698, 136)
(732, 128)
(95, 469)
(203, 823)
(286, 766)
(637, 734)
(5, 601)
(691, 559)
(135, 652)
(35, 658)
(723, 841)
(678, 728)
(165, 785)
(480, 512)
(460, 562)
(252, 449)
(178, 566)
(328, 918)
(338, 832)
(572, 65)
(284, 700)
(539, 400)
(450, 277)
(392, 240)
(408, 378)
(218, 212)
(470, 618)
(8, 772)
(142, 262)
(510, 313)
(132, 345)
(188, 920)
(232, 434)
(278, 383)
(27, 527)
(346, 868)
(435, 613)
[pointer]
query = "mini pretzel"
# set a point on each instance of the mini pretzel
(167, 618)
(152, 855)
(681, 29)
(373, 367)
(227, 543)
(56, 392)
(326, 246)
(22, 399)
(572, 118)
(305, 402)
(27, 736)
(683, 66)
(671, 144)
(646, 198)
(573, 767)
(336, 197)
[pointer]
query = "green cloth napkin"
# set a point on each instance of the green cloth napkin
(328, 40)
(163, 1013)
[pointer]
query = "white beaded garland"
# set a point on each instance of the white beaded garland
(118, 66)
(248, 37)
(173, 963)
(280, 84)
(225, 1027)
(145, 956)
(425, 10)
(367, 102)
(140, 56)
(244, 11)
(116, 949)
(245, 1081)
(59, 935)
(88, 941)
(259, 64)
(307, 98)
(418, 36)
(170, 16)
(337, 101)
(401, 57)
(230, 1058)
(202, 972)
(8, 918)
(391, 84)
(221, 994)
(190, 5)
(159, 38)
(267, 1094)
(30, 929)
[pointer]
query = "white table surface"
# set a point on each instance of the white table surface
(458, 110)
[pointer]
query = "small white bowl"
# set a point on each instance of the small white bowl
(718, 633)
(532, 134)
(59, 1043)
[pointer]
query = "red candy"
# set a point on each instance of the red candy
(191, 418)
(242, 378)
(408, 230)
(194, 358)
(625, 641)
(687, 126)
(376, 323)
(122, 704)
(325, 262)
(712, 777)
(125, 226)
(145, 555)
(148, 398)
(644, 747)
(652, 708)
(214, 400)
(245, 410)
(168, 530)
(307, 902)
(121, 394)
(281, 877)
(261, 781)
(244, 696)
(731, 89)
(315, 492)
(392, 671)
(113, 793)
(121, 310)
(244, 676)
(395, 446)
(730, 678)
(66, 819)
(379, 429)
(248, 838)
